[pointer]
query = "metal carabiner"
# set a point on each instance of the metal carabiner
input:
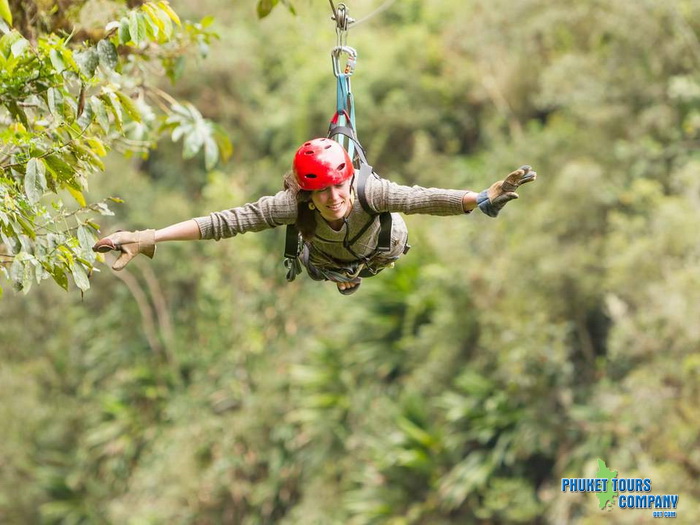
(349, 68)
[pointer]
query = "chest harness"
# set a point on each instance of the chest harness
(294, 243)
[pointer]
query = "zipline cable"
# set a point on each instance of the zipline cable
(386, 5)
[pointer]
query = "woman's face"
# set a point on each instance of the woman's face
(333, 202)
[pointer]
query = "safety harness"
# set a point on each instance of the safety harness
(363, 171)
(342, 129)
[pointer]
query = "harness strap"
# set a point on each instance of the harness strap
(385, 223)
(365, 172)
(292, 249)
(348, 243)
(292, 242)
(335, 129)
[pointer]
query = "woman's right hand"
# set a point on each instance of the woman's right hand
(130, 244)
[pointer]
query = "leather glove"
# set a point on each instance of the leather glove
(492, 200)
(130, 244)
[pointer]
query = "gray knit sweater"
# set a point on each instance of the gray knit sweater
(327, 248)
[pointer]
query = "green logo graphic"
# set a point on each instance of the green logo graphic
(605, 498)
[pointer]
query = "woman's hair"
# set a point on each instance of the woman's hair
(306, 220)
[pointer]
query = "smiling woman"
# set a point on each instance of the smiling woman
(333, 203)
(340, 212)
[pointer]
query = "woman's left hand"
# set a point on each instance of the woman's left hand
(492, 200)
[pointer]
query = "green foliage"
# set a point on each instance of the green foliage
(65, 104)
(5, 12)
(265, 7)
(459, 387)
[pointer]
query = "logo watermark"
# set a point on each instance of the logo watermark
(630, 493)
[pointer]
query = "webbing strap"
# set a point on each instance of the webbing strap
(363, 175)
(292, 242)
(345, 108)
(385, 223)
(292, 249)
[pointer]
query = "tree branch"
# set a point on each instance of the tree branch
(147, 321)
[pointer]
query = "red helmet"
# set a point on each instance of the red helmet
(321, 162)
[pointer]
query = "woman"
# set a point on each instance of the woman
(341, 232)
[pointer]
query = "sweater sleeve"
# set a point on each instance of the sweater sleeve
(383, 195)
(268, 212)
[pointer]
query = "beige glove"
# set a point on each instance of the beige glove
(491, 201)
(130, 244)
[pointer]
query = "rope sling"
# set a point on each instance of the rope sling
(343, 130)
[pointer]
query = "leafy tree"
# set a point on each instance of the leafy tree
(68, 95)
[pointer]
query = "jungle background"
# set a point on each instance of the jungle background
(459, 387)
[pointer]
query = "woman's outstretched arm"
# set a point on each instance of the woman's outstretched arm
(267, 212)
(182, 231)
(130, 244)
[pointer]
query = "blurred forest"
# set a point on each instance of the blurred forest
(457, 388)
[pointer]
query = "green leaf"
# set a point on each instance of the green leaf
(56, 103)
(100, 112)
(207, 21)
(67, 56)
(137, 27)
(59, 167)
(167, 23)
(5, 12)
(25, 276)
(86, 237)
(57, 60)
(102, 209)
(193, 142)
(27, 228)
(107, 53)
(35, 180)
(174, 68)
(129, 106)
(86, 117)
(112, 102)
(265, 7)
(7, 41)
(87, 61)
(416, 433)
(211, 152)
(165, 6)
(153, 17)
(80, 277)
(97, 146)
(85, 153)
(59, 276)
(66, 255)
(153, 31)
(18, 113)
(124, 33)
(223, 142)
(19, 46)
(77, 195)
